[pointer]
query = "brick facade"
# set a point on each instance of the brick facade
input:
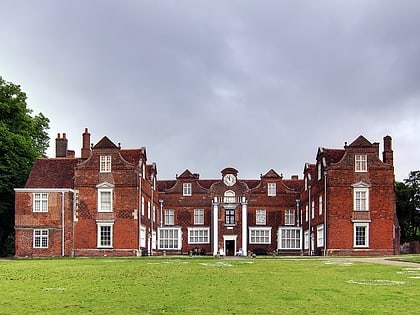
(109, 202)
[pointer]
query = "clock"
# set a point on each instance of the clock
(229, 179)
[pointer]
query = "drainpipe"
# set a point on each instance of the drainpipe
(140, 205)
(151, 218)
(309, 220)
(161, 212)
(325, 213)
(62, 223)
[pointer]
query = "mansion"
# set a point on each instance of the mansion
(109, 201)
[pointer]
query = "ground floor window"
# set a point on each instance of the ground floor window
(320, 235)
(169, 238)
(40, 238)
(259, 235)
(198, 235)
(142, 236)
(105, 234)
(361, 234)
(290, 238)
(306, 240)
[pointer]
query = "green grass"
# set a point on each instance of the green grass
(408, 258)
(205, 286)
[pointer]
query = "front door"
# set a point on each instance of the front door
(230, 247)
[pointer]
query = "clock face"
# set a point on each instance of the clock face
(229, 179)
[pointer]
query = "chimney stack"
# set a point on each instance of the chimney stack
(85, 144)
(61, 146)
(388, 154)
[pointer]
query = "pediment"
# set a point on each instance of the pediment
(360, 184)
(272, 174)
(360, 142)
(105, 143)
(188, 175)
(105, 185)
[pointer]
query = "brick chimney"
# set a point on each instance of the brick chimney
(61, 146)
(388, 154)
(85, 144)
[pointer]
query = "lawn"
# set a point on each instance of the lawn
(206, 286)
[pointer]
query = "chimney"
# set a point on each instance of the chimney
(85, 144)
(295, 177)
(388, 154)
(61, 146)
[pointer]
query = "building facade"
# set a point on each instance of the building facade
(110, 202)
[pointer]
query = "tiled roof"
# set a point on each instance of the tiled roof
(132, 155)
(333, 155)
(52, 173)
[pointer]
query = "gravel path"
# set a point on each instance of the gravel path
(381, 260)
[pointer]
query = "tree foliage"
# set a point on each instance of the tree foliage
(23, 138)
(408, 206)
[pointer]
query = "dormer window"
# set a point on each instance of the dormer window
(360, 163)
(105, 164)
(186, 189)
(271, 189)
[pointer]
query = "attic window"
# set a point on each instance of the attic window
(186, 189)
(360, 163)
(105, 164)
(271, 189)
(40, 202)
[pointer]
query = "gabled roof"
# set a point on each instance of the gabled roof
(105, 143)
(272, 174)
(331, 155)
(188, 175)
(360, 142)
(52, 173)
(134, 155)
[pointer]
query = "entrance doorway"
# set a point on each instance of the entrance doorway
(230, 247)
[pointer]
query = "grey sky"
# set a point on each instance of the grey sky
(205, 85)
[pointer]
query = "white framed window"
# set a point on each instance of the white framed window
(105, 197)
(230, 216)
(186, 189)
(105, 234)
(260, 217)
(290, 238)
(306, 240)
(320, 235)
(105, 164)
(258, 235)
(229, 196)
(272, 189)
(320, 205)
(142, 205)
(40, 238)
(149, 209)
(306, 213)
(198, 235)
(361, 197)
(360, 163)
(142, 236)
(40, 202)
(361, 234)
(319, 170)
(289, 217)
(169, 238)
(306, 183)
(198, 216)
(169, 217)
(313, 209)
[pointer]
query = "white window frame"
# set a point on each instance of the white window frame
(306, 213)
(320, 205)
(319, 170)
(306, 239)
(198, 216)
(271, 189)
(360, 163)
(105, 164)
(320, 235)
(229, 196)
(171, 241)
(290, 238)
(260, 217)
(365, 226)
(40, 202)
(40, 238)
(109, 189)
(198, 235)
(260, 235)
(142, 236)
(313, 209)
(186, 189)
(361, 196)
(102, 242)
(169, 217)
(289, 217)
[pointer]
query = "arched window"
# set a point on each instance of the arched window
(229, 196)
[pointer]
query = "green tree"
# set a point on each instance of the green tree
(23, 138)
(408, 206)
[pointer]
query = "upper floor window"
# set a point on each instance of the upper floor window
(289, 217)
(229, 216)
(186, 189)
(320, 205)
(169, 217)
(229, 196)
(306, 183)
(40, 238)
(260, 217)
(40, 202)
(105, 164)
(361, 199)
(271, 189)
(319, 171)
(105, 197)
(313, 209)
(306, 213)
(360, 163)
(199, 216)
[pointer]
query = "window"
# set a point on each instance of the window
(361, 234)
(306, 183)
(142, 237)
(260, 235)
(320, 235)
(105, 192)
(105, 164)
(289, 217)
(105, 234)
(306, 240)
(360, 163)
(320, 205)
(169, 238)
(198, 216)
(229, 196)
(290, 238)
(260, 217)
(186, 189)
(313, 209)
(306, 213)
(142, 205)
(169, 217)
(149, 209)
(271, 189)
(40, 238)
(40, 202)
(361, 201)
(319, 171)
(229, 216)
(198, 235)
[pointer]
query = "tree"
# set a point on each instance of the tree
(408, 206)
(23, 138)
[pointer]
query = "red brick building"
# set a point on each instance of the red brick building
(109, 202)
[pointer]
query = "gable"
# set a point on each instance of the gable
(360, 142)
(105, 143)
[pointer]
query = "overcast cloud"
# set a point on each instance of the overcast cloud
(205, 85)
